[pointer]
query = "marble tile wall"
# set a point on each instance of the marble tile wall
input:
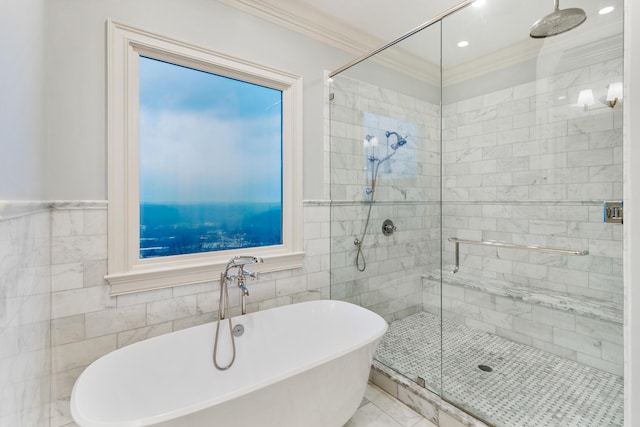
(88, 323)
(406, 191)
(25, 310)
(525, 165)
(391, 284)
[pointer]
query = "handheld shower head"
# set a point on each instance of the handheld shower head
(400, 140)
(399, 143)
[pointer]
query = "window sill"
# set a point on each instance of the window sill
(152, 277)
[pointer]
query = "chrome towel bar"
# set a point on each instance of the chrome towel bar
(509, 246)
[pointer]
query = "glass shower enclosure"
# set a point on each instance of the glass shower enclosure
(476, 205)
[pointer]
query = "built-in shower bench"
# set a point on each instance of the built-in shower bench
(583, 306)
(583, 329)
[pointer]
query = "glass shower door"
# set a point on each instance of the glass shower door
(385, 199)
(532, 275)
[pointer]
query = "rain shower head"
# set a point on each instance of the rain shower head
(557, 22)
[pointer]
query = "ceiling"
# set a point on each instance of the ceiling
(498, 27)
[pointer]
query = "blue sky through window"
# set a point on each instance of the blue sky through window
(207, 138)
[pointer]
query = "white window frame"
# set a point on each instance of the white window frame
(127, 272)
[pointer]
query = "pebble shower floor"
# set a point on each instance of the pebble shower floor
(525, 387)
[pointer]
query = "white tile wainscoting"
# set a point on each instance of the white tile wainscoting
(53, 266)
(25, 312)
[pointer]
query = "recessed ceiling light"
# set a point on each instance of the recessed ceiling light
(478, 3)
(463, 43)
(606, 10)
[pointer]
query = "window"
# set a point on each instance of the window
(210, 162)
(204, 162)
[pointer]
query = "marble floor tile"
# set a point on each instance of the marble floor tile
(370, 415)
(379, 409)
(397, 410)
(501, 381)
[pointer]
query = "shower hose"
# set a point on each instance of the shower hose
(361, 262)
(223, 307)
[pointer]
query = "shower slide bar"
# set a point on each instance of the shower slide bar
(533, 248)
(402, 37)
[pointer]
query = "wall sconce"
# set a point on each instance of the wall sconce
(613, 97)
(614, 94)
(585, 98)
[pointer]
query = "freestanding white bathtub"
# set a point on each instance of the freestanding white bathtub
(304, 364)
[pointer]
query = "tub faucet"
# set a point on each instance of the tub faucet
(239, 262)
(224, 311)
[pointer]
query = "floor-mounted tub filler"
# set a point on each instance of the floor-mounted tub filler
(303, 364)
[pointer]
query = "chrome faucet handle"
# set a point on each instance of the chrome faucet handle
(249, 273)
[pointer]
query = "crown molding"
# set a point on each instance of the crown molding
(320, 26)
(310, 22)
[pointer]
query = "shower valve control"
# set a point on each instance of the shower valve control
(388, 228)
(613, 212)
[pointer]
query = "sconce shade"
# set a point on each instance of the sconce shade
(614, 94)
(585, 98)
